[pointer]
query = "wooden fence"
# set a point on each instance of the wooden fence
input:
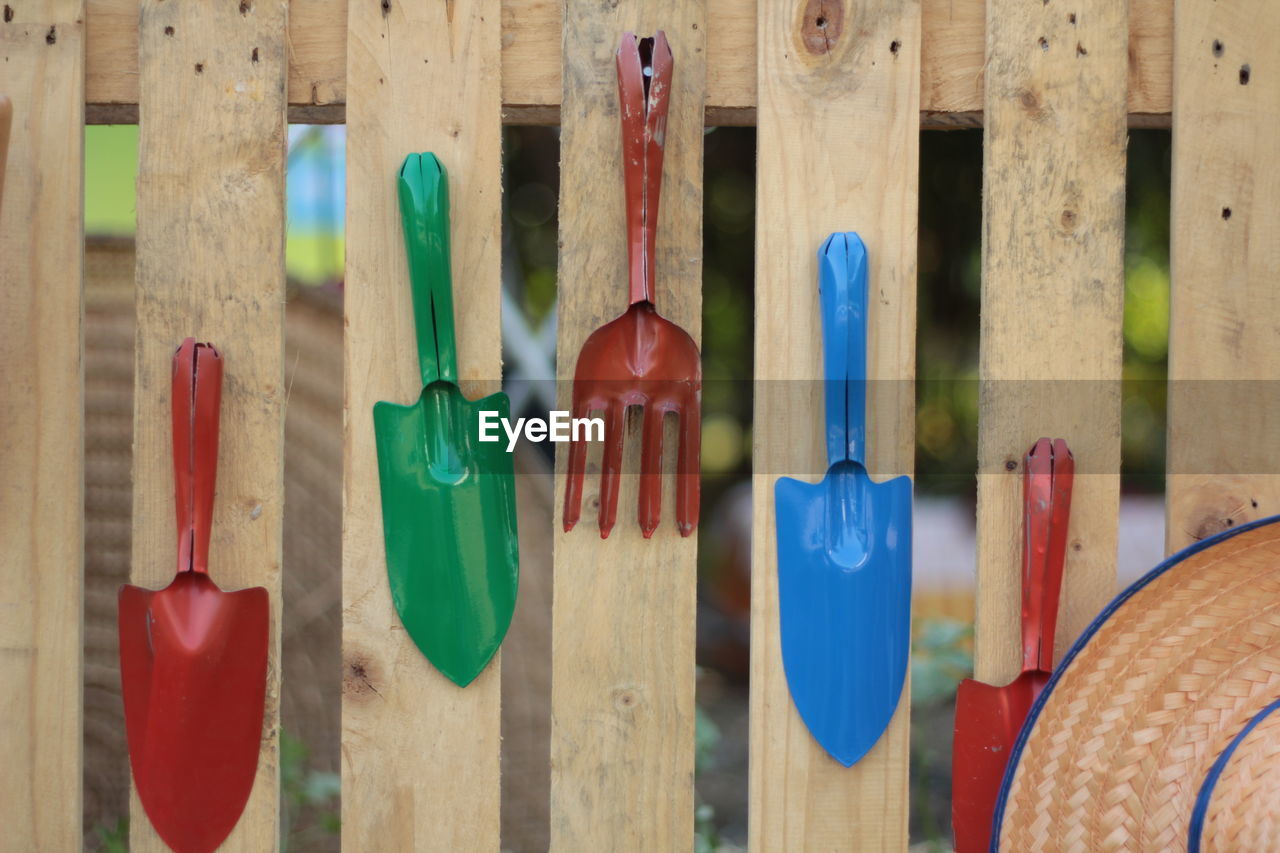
(838, 91)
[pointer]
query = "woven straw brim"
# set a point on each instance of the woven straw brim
(1120, 744)
(1239, 805)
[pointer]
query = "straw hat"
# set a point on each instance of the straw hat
(1160, 728)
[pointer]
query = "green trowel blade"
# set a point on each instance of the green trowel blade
(449, 519)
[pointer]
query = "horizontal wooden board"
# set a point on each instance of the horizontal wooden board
(951, 66)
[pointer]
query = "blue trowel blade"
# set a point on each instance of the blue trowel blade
(844, 590)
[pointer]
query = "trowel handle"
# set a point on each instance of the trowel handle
(645, 69)
(6, 115)
(424, 215)
(197, 399)
(1049, 471)
(842, 289)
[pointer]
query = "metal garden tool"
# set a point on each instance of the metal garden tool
(989, 718)
(448, 499)
(193, 658)
(640, 358)
(844, 545)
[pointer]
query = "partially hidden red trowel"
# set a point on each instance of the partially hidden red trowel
(193, 658)
(988, 718)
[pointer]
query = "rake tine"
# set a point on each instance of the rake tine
(688, 467)
(577, 470)
(611, 467)
(651, 471)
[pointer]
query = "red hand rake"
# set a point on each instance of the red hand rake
(640, 359)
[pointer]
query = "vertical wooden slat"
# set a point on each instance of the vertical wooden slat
(1052, 297)
(210, 264)
(419, 754)
(622, 684)
(838, 151)
(41, 425)
(1224, 362)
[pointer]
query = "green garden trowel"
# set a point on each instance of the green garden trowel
(448, 499)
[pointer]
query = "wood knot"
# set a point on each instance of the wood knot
(1030, 102)
(1069, 219)
(821, 26)
(358, 677)
(626, 699)
(1211, 526)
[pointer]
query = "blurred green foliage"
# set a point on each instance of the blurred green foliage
(941, 656)
(310, 798)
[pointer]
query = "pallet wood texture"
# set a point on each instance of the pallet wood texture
(1224, 366)
(1052, 301)
(952, 47)
(419, 754)
(622, 684)
(210, 264)
(838, 151)
(41, 421)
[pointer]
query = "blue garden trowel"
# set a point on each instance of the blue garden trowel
(844, 545)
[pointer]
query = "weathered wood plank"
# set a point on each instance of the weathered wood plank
(953, 53)
(1224, 363)
(419, 754)
(622, 735)
(210, 264)
(1052, 299)
(42, 425)
(838, 151)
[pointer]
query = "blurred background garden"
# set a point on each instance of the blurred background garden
(947, 352)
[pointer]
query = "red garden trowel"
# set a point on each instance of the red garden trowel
(193, 658)
(844, 545)
(640, 359)
(989, 718)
